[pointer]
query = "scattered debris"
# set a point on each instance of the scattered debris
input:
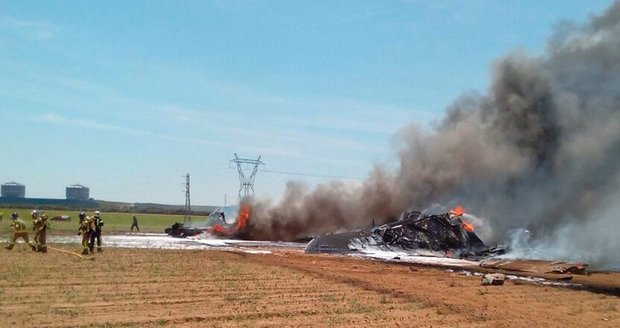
(469, 273)
(541, 281)
(493, 279)
(178, 230)
(562, 268)
(535, 266)
(61, 218)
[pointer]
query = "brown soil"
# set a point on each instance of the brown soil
(155, 288)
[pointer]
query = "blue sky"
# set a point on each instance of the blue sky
(126, 97)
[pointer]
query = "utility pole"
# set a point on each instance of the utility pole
(187, 217)
(246, 183)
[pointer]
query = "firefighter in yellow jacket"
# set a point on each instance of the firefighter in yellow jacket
(96, 234)
(40, 233)
(85, 230)
(19, 231)
(35, 216)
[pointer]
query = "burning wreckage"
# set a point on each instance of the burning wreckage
(444, 234)
(439, 235)
(225, 222)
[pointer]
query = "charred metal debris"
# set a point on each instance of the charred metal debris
(444, 234)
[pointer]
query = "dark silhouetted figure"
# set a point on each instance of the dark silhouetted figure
(135, 224)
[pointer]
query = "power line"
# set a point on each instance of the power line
(313, 175)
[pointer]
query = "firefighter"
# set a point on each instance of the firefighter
(96, 234)
(82, 216)
(40, 233)
(19, 231)
(85, 230)
(1, 215)
(35, 216)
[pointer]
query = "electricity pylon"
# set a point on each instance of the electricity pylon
(246, 183)
(187, 216)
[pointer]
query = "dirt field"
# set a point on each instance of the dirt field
(180, 288)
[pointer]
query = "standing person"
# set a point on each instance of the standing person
(40, 233)
(19, 231)
(97, 223)
(135, 224)
(85, 230)
(1, 214)
(82, 216)
(35, 215)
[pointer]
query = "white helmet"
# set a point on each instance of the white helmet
(97, 213)
(34, 212)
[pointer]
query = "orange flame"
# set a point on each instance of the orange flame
(242, 221)
(243, 217)
(467, 226)
(458, 211)
(218, 229)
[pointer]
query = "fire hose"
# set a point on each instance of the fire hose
(72, 253)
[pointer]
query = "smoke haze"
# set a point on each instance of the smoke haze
(540, 150)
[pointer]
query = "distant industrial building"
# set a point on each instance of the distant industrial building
(13, 190)
(78, 192)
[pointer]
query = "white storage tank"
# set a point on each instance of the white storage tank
(77, 192)
(13, 189)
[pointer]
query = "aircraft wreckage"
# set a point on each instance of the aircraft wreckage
(225, 221)
(438, 234)
(444, 234)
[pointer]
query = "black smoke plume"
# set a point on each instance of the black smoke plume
(540, 150)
